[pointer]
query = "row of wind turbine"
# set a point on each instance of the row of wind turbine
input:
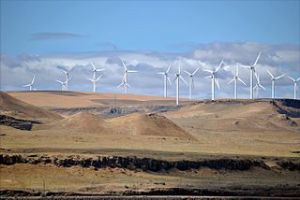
(178, 76)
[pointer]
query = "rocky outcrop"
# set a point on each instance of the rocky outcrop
(17, 123)
(288, 107)
(288, 165)
(135, 163)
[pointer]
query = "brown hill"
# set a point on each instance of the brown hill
(147, 124)
(16, 108)
(68, 99)
(233, 115)
(83, 122)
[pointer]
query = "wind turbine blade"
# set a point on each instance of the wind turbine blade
(270, 74)
(298, 79)
(244, 66)
(26, 85)
(237, 70)
(242, 81)
(161, 73)
(120, 85)
(132, 71)
(169, 68)
(195, 71)
(183, 80)
(207, 70)
(262, 87)
(33, 80)
(188, 73)
(292, 78)
(217, 83)
(100, 70)
(279, 77)
(123, 63)
(99, 77)
(220, 66)
(59, 81)
(229, 82)
(93, 66)
(257, 58)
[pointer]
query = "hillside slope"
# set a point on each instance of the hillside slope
(13, 107)
(244, 115)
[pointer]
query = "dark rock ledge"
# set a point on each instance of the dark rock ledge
(145, 164)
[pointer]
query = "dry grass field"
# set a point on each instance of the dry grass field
(70, 123)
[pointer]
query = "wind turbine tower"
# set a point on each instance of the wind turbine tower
(214, 80)
(252, 71)
(177, 77)
(295, 81)
(235, 79)
(166, 80)
(273, 79)
(258, 85)
(191, 81)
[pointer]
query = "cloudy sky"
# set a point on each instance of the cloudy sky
(42, 37)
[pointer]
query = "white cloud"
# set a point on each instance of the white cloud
(16, 71)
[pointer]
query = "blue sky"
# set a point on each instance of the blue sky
(143, 25)
(39, 36)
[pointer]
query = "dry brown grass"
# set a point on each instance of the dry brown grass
(102, 181)
(244, 128)
(76, 99)
(19, 109)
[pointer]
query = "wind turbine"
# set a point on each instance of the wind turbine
(68, 78)
(273, 79)
(214, 80)
(166, 79)
(252, 71)
(124, 82)
(63, 84)
(30, 85)
(94, 80)
(177, 77)
(235, 79)
(191, 81)
(295, 81)
(258, 85)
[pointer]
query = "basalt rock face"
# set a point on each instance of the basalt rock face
(135, 163)
(16, 123)
(288, 165)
